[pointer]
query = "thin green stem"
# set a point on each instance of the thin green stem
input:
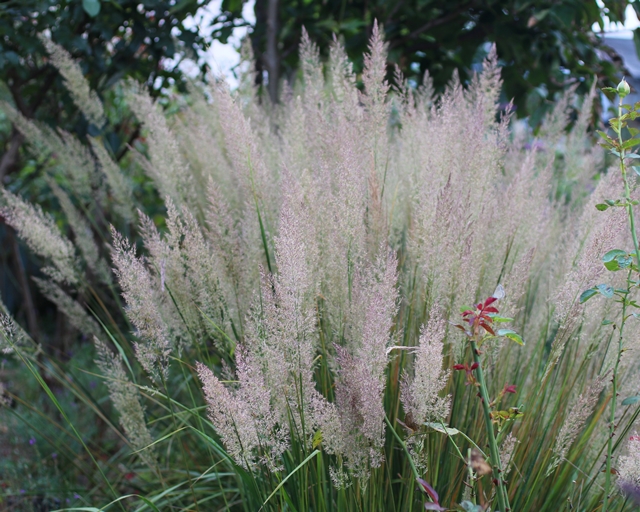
(612, 419)
(627, 189)
(503, 499)
(404, 447)
(624, 300)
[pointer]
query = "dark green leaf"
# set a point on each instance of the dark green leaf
(602, 207)
(587, 294)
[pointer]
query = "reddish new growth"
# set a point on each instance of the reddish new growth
(480, 317)
(469, 371)
(509, 389)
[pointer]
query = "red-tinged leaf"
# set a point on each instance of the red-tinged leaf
(460, 327)
(467, 312)
(490, 310)
(510, 389)
(474, 366)
(434, 506)
(488, 329)
(459, 366)
(489, 301)
(429, 490)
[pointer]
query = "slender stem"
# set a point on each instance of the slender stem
(627, 190)
(404, 446)
(503, 499)
(612, 419)
(614, 380)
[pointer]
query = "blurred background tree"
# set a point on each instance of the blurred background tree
(111, 40)
(544, 45)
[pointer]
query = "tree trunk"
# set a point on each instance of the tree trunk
(272, 59)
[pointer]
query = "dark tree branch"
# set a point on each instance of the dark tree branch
(395, 8)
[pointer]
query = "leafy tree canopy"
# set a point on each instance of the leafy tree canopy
(110, 39)
(544, 45)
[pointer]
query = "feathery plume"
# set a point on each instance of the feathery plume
(244, 419)
(59, 149)
(575, 421)
(121, 188)
(166, 167)
(126, 400)
(506, 452)
(85, 99)
(11, 335)
(282, 331)
(374, 98)
(342, 78)
(376, 86)
(143, 308)
(361, 367)
(311, 69)
(83, 235)
(71, 308)
(420, 394)
(41, 234)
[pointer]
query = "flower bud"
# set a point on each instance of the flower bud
(623, 88)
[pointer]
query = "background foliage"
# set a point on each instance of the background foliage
(544, 46)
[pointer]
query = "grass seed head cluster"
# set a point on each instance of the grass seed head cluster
(292, 313)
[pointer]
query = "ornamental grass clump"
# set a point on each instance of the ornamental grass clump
(358, 298)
